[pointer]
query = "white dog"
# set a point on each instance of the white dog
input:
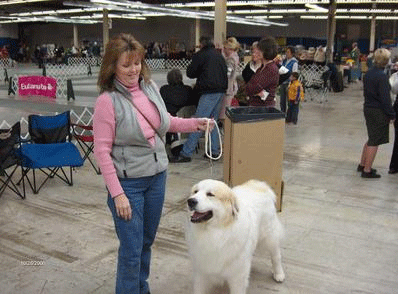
(226, 227)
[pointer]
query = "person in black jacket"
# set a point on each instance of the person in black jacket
(209, 68)
(378, 112)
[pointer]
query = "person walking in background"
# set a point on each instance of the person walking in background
(295, 95)
(291, 64)
(262, 85)
(356, 68)
(130, 122)
(231, 47)
(378, 112)
(209, 68)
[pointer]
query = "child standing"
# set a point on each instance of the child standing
(295, 94)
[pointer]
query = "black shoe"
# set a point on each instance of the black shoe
(370, 175)
(360, 168)
(213, 155)
(180, 158)
(393, 171)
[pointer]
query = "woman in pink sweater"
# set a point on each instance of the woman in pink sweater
(130, 124)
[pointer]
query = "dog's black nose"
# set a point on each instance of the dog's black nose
(192, 203)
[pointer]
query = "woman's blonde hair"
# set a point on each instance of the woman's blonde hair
(381, 57)
(114, 49)
(232, 43)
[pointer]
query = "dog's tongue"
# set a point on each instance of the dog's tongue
(201, 216)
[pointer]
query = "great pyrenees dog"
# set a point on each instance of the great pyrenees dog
(225, 228)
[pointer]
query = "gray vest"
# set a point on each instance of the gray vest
(132, 154)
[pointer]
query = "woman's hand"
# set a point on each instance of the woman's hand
(202, 126)
(123, 208)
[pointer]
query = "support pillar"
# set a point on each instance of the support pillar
(197, 33)
(372, 33)
(105, 28)
(220, 22)
(331, 31)
(75, 36)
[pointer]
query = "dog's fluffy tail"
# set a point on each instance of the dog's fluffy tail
(262, 187)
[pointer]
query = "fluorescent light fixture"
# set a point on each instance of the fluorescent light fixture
(48, 19)
(10, 2)
(314, 16)
(56, 12)
(274, 2)
(265, 17)
(184, 13)
(316, 8)
(387, 17)
(110, 15)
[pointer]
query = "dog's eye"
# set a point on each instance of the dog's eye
(209, 194)
(195, 191)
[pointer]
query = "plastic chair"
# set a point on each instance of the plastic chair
(49, 150)
(9, 159)
(84, 137)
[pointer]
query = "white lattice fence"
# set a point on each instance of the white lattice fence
(62, 73)
(83, 118)
(6, 63)
(153, 64)
(93, 61)
(182, 64)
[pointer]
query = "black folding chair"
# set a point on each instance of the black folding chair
(10, 159)
(85, 138)
(50, 150)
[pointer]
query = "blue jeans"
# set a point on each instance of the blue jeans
(136, 236)
(209, 106)
(292, 112)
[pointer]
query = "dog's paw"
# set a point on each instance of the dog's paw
(279, 277)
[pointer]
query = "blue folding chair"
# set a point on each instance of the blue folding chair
(49, 150)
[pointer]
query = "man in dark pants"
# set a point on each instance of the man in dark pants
(209, 68)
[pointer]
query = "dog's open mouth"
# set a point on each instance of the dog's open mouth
(199, 217)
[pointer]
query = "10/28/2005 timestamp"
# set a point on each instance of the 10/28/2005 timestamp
(32, 262)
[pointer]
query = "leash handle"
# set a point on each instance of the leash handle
(208, 141)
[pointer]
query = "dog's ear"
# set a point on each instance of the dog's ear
(235, 208)
(232, 210)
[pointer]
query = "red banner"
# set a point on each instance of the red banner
(37, 86)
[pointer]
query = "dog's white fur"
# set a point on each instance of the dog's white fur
(221, 248)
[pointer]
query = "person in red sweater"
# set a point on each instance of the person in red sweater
(262, 85)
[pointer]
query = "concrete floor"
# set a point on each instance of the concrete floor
(341, 230)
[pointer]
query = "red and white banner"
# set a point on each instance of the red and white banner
(37, 86)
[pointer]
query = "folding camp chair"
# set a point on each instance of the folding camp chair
(9, 159)
(84, 137)
(50, 150)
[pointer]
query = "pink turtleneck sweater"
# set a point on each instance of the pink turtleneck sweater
(104, 126)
